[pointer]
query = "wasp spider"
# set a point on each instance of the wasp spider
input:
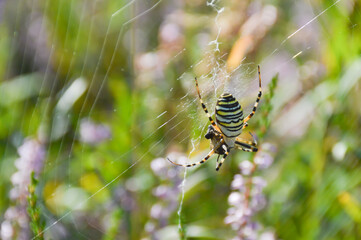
(224, 134)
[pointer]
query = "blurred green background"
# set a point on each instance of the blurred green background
(106, 87)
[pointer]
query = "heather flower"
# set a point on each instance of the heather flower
(264, 157)
(7, 230)
(263, 160)
(15, 216)
(159, 167)
(269, 147)
(157, 211)
(124, 198)
(31, 159)
(167, 193)
(150, 227)
(250, 231)
(238, 183)
(268, 235)
(246, 167)
(238, 216)
(245, 201)
(32, 156)
(92, 133)
(258, 184)
(235, 198)
(258, 202)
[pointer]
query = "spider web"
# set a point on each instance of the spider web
(242, 82)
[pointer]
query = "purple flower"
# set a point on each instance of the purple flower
(92, 133)
(237, 216)
(15, 218)
(258, 184)
(269, 147)
(6, 230)
(167, 194)
(157, 211)
(31, 159)
(125, 199)
(263, 160)
(268, 235)
(235, 198)
(245, 201)
(164, 170)
(32, 156)
(160, 167)
(258, 202)
(238, 183)
(150, 227)
(250, 231)
(246, 167)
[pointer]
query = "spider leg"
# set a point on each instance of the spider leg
(254, 139)
(217, 134)
(258, 97)
(246, 146)
(218, 158)
(245, 125)
(247, 142)
(194, 164)
(204, 106)
(224, 158)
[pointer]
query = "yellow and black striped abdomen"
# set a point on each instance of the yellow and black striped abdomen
(229, 115)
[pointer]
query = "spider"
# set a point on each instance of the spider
(224, 134)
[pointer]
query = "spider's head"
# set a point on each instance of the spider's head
(210, 133)
(215, 138)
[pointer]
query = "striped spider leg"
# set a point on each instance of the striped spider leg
(224, 133)
(213, 151)
(247, 146)
(257, 101)
(213, 133)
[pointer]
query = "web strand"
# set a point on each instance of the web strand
(171, 120)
